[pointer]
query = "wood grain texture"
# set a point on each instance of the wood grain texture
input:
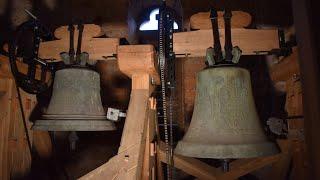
(250, 41)
(189, 165)
(98, 48)
(202, 20)
(294, 101)
(128, 163)
(13, 143)
(238, 167)
(137, 59)
(6, 86)
(281, 168)
(286, 68)
(115, 30)
(42, 143)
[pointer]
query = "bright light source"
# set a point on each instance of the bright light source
(152, 24)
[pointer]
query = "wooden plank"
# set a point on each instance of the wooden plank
(299, 160)
(17, 151)
(131, 53)
(294, 105)
(98, 48)
(242, 167)
(20, 156)
(189, 165)
(115, 29)
(202, 20)
(281, 168)
(42, 144)
(6, 85)
(148, 159)
(309, 58)
(250, 41)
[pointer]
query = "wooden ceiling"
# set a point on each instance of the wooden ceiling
(54, 13)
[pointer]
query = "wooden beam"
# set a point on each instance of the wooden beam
(309, 58)
(145, 53)
(128, 163)
(115, 29)
(190, 165)
(281, 168)
(6, 85)
(242, 167)
(250, 41)
(286, 68)
(17, 159)
(149, 158)
(202, 20)
(98, 48)
(42, 144)
(238, 167)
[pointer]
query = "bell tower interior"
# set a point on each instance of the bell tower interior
(166, 89)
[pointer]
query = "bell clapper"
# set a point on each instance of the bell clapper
(73, 138)
(225, 165)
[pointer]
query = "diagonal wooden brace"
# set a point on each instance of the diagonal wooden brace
(128, 163)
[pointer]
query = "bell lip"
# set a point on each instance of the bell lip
(73, 116)
(224, 67)
(226, 151)
(78, 68)
(73, 125)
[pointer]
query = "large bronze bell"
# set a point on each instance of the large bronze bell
(225, 123)
(75, 104)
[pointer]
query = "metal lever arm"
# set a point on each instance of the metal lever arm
(215, 29)
(71, 47)
(228, 42)
(80, 28)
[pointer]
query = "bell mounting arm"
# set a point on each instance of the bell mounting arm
(231, 55)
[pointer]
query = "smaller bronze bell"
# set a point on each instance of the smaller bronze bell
(75, 104)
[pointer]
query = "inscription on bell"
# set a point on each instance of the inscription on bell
(225, 123)
(75, 104)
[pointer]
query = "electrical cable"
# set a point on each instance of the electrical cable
(24, 121)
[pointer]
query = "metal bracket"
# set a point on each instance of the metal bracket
(285, 46)
(115, 114)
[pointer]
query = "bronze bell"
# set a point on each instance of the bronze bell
(225, 123)
(75, 104)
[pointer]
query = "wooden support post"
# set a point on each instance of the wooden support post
(128, 163)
